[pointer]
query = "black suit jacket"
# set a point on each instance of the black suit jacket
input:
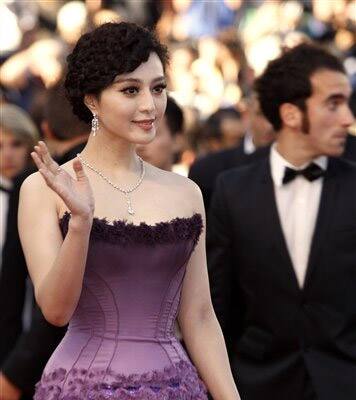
(206, 169)
(279, 334)
(23, 355)
(350, 149)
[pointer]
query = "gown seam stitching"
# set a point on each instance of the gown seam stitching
(101, 341)
(117, 324)
(81, 351)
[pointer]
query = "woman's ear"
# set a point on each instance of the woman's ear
(91, 103)
(291, 115)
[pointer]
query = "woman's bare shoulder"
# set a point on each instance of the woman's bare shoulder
(35, 192)
(33, 182)
(169, 177)
(177, 183)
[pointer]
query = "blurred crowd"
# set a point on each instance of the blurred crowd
(217, 48)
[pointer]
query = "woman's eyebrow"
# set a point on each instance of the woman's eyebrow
(135, 80)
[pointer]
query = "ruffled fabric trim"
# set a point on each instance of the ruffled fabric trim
(177, 382)
(124, 233)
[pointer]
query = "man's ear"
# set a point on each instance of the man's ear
(291, 116)
(91, 103)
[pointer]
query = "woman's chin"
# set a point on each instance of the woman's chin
(146, 138)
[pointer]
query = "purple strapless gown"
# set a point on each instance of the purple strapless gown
(120, 342)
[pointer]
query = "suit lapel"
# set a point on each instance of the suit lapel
(327, 201)
(283, 260)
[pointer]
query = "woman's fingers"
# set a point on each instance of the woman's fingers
(44, 170)
(46, 157)
(78, 169)
(48, 176)
(38, 161)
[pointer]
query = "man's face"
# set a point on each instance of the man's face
(160, 151)
(328, 113)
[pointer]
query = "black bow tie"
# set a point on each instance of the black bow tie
(311, 172)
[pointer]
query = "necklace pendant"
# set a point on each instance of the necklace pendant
(129, 206)
(126, 192)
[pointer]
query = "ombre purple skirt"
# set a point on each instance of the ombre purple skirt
(120, 342)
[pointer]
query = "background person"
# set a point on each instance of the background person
(281, 240)
(17, 137)
(254, 146)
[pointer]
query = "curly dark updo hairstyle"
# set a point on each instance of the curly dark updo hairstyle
(99, 56)
(287, 79)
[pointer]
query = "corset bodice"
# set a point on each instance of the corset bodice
(122, 330)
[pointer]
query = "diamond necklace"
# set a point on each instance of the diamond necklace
(126, 192)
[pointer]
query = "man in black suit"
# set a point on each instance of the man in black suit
(23, 354)
(282, 241)
(254, 146)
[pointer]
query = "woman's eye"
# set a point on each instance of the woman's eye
(130, 90)
(159, 88)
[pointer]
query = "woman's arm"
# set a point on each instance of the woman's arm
(199, 326)
(56, 267)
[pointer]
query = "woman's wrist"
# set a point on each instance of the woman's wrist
(81, 223)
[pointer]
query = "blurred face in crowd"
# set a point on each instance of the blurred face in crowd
(328, 115)
(13, 154)
(160, 151)
(261, 130)
(232, 130)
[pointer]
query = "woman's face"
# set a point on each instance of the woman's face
(133, 105)
(13, 154)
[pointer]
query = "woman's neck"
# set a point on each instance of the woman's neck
(114, 157)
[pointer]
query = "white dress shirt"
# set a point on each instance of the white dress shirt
(298, 205)
(249, 146)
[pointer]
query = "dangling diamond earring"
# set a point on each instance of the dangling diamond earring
(94, 124)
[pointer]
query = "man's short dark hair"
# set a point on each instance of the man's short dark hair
(174, 117)
(287, 79)
(212, 126)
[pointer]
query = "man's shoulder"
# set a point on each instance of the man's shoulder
(246, 173)
(343, 168)
(218, 160)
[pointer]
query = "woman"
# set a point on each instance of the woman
(127, 255)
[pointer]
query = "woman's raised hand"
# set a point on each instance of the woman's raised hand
(76, 193)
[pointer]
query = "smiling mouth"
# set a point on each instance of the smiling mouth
(145, 124)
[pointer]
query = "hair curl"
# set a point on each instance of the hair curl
(287, 79)
(102, 54)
